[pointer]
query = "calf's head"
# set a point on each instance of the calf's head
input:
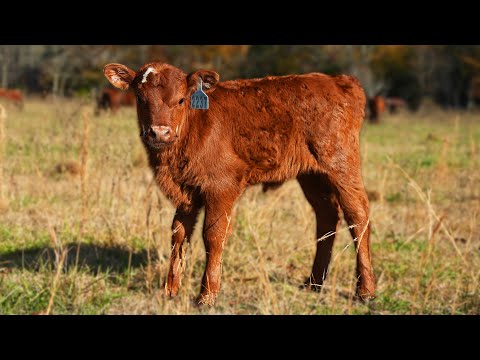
(163, 96)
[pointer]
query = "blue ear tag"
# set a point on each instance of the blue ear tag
(199, 99)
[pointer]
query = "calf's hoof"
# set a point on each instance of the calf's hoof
(207, 299)
(309, 284)
(364, 294)
(171, 290)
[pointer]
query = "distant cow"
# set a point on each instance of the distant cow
(255, 131)
(376, 106)
(394, 104)
(112, 99)
(12, 95)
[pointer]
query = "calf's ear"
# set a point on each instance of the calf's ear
(209, 79)
(119, 75)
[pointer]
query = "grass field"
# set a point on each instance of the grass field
(83, 230)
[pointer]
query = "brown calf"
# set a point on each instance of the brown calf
(259, 130)
(112, 99)
(12, 95)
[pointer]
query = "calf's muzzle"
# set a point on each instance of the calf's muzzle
(163, 134)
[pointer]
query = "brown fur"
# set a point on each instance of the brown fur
(12, 95)
(112, 99)
(256, 131)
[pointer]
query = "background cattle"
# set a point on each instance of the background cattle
(255, 131)
(12, 95)
(394, 104)
(376, 106)
(113, 99)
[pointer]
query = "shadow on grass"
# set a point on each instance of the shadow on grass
(93, 258)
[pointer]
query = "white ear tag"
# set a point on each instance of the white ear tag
(199, 99)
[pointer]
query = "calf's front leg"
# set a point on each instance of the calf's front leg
(217, 228)
(182, 227)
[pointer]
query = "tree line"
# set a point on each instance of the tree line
(447, 74)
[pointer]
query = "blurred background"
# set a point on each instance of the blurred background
(448, 75)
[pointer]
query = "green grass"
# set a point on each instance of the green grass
(115, 263)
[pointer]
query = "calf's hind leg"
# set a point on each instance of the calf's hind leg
(354, 203)
(319, 194)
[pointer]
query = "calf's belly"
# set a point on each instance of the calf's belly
(282, 168)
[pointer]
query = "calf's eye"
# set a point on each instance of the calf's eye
(181, 101)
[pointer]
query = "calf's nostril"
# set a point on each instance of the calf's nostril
(152, 133)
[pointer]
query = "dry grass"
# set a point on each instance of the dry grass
(84, 230)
